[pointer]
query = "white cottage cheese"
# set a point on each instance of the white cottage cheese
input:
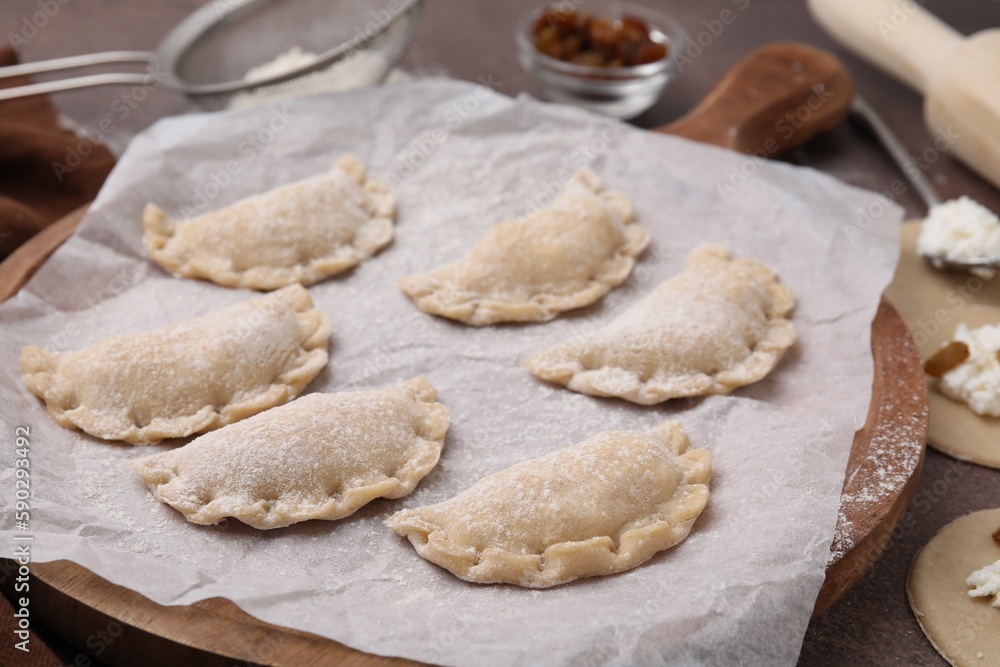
(977, 379)
(986, 582)
(960, 230)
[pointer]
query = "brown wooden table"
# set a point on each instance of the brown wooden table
(872, 624)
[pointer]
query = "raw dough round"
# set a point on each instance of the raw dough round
(964, 629)
(933, 303)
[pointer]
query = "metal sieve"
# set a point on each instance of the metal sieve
(208, 55)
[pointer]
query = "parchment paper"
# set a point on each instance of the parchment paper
(461, 159)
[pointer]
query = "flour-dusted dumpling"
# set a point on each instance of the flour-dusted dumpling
(717, 325)
(602, 506)
(195, 376)
(322, 456)
(531, 269)
(299, 233)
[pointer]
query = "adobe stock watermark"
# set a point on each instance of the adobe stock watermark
(262, 311)
(956, 298)
(120, 109)
(380, 19)
(865, 216)
(785, 127)
(224, 8)
(425, 145)
(381, 360)
(920, 505)
(33, 23)
(983, 620)
(22, 541)
(597, 317)
(98, 642)
(264, 647)
(898, 17)
(376, 21)
(248, 149)
(62, 339)
(713, 28)
(580, 157)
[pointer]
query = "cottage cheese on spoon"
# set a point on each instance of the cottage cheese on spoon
(960, 230)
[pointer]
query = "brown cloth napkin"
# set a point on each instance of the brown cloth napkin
(45, 171)
(38, 655)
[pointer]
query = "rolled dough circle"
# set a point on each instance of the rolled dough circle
(933, 303)
(964, 629)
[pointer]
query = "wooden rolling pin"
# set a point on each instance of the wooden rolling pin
(959, 76)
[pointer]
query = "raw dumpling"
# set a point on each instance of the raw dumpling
(321, 456)
(531, 269)
(602, 506)
(718, 325)
(298, 233)
(195, 376)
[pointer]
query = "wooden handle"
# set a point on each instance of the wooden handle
(776, 99)
(963, 104)
(23, 262)
(896, 35)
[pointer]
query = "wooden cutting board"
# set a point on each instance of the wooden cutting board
(122, 627)
(78, 604)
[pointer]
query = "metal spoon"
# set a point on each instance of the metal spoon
(892, 144)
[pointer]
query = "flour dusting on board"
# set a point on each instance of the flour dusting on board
(896, 452)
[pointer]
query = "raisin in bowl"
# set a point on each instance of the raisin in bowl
(614, 58)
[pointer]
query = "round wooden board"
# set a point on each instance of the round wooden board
(76, 603)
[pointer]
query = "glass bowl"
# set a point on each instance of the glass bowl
(621, 92)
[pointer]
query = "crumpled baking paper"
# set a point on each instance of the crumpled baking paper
(461, 159)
